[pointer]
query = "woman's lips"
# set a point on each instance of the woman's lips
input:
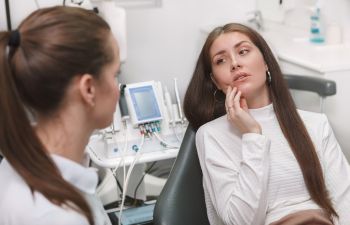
(241, 77)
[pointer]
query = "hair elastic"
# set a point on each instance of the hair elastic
(15, 39)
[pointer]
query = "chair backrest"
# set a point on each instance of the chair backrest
(181, 201)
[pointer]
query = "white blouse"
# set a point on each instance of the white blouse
(19, 206)
(254, 179)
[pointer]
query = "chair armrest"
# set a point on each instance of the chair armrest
(322, 87)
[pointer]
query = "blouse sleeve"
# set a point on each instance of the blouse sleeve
(235, 177)
(337, 173)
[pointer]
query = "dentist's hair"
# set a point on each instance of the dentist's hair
(54, 45)
(203, 103)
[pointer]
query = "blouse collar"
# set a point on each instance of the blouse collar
(83, 178)
(263, 113)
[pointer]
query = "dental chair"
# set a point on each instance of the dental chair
(181, 201)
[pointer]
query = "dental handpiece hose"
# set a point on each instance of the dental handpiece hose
(178, 100)
(122, 103)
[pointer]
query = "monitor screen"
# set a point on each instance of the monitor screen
(145, 103)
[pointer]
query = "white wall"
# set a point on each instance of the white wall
(164, 42)
(338, 11)
(20, 9)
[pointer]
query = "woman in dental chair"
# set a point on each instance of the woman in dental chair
(61, 65)
(263, 161)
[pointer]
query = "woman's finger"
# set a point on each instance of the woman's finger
(228, 92)
(236, 99)
(231, 97)
(230, 103)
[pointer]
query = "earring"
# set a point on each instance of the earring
(216, 90)
(214, 95)
(212, 77)
(269, 78)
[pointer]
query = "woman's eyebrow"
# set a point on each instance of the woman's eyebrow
(219, 53)
(240, 43)
(235, 46)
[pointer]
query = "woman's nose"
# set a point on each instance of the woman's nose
(234, 63)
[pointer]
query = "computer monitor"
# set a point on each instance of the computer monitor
(143, 103)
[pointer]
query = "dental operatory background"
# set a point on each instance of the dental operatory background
(161, 39)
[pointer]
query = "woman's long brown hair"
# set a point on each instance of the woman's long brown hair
(56, 44)
(202, 106)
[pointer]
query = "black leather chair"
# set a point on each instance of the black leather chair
(181, 201)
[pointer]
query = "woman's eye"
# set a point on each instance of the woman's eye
(243, 51)
(219, 61)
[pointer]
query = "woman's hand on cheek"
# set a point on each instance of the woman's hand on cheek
(237, 112)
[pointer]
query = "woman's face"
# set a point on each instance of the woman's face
(107, 94)
(237, 62)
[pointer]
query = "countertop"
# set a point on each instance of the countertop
(292, 45)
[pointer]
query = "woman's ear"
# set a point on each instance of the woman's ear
(214, 81)
(87, 89)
